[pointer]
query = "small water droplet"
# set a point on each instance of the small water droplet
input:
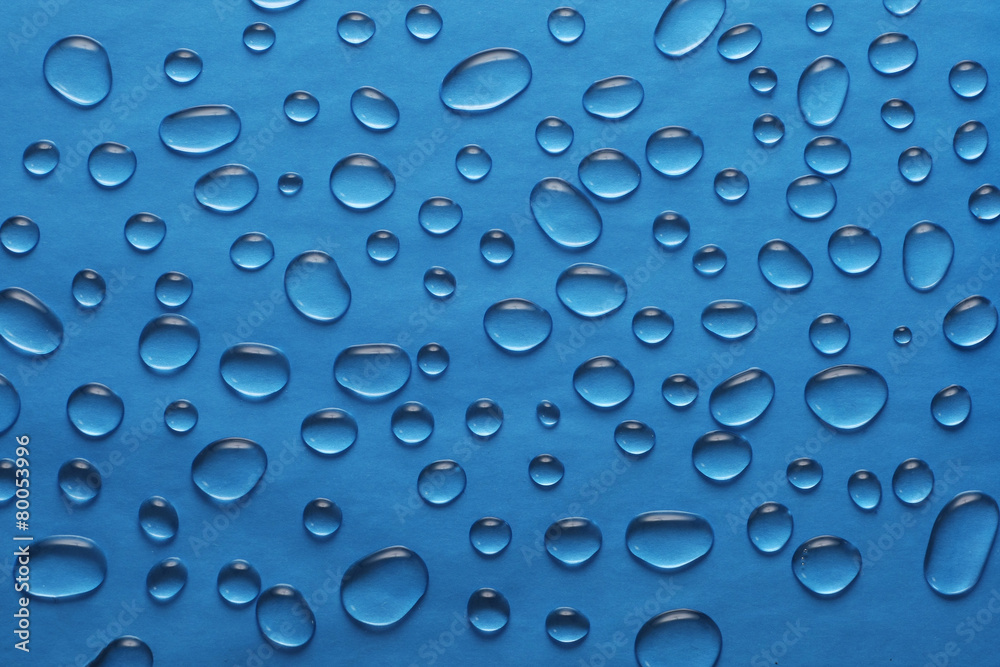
(355, 28)
(111, 164)
(382, 246)
(77, 67)
(674, 150)
(679, 637)
(900, 7)
(854, 250)
(811, 197)
(439, 215)
(40, 158)
(591, 290)
(89, 288)
(846, 397)
(566, 25)
(284, 617)
(546, 470)
(729, 319)
(573, 541)
(742, 399)
(685, 24)
(769, 527)
(603, 382)
(252, 251)
(721, 456)
(227, 189)
(822, 90)
(915, 164)
(412, 423)
(960, 543)
(486, 80)
(361, 182)
(316, 288)
(865, 489)
(496, 246)
(200, 130)
(634, 437)
(763, 80)
(180, 416)
(254, 371)
(182, 66)
(80, 481)
(125, 650)
(609, 174)
(668, 540)
(984, 203)
(554, 135)
(290, 183)
(374, 109)
(913, 481)
(652, 325)
(827, 155)
(784, 266)
(19, 234)
(898, 114)
(902, 335)
(971, 140)
(229, 469)
(819, 18)
(301, 107)
(548, 414)
(951, 406)
(433, 359)
(968, 79)
(826, 565)
(322, 517)
(517, 325)
(329, 431)
(380, 589)
(66, 567)
(564, 213)
(731, 185)
(567, 626)
(168, 343)
(166, 579)
(892, 53)
(829, 334)
(927, 254)
(374, 370)
(439, 282)
(739, 41)
(768, 129)
(423, 22)
(804, 474)
(173, 289)
(489, 536)
(488, 611)
(258, 37)
(145, 231)
(970, 322)
(614, 97)
(238, 582)
(473, 163)
(158, 519)
(484, 418)
(10, 408)
(27, 324)
(679, 390)
(95, 410)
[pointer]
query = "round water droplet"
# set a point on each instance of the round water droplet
(827, 155)
(355, 28)
(769, 527)
(441, 482)
(591, 290)
(679, 390)
(228, 469)
(892, 53)
(804, 474)
(258, 37)
(301, 107)
(614, 97)
(473, 163)
(822, 91)
(238, 582)
(984, 203)
(361, 182)
(739, 41)
(865, 489)
(382, 246)
(566, 25)
(678, 637)
(968, 79)
(19, 234)
(489, 536)
(66, 567)
(40, 158)
(27, 324)
(900, 7)
(322, 517)
(354, 365)
(971, 140)
(423, 22)
(768, 129)
(94, 410)
(484, 418)
(915, 164)
(379, 590)
(80, 481)
(316, 288)
(721, 456)
(548, 414)
(829, 334)
(111, 164)
(846, 397)
(254, 370)
(252, 251)
(439, 215)
(684, 25)
(182, 66)
(819, 18)
(742, 399)
(433, 359)
(898, 114)
(951, 406)
(145, 231)
(8, 487)
(440, 282)
(173, 289)
(573, 541)
(125, 650)
(284, 617)
(10, 408)
(811, 197)
(546, 470)
(609, 174)
(567, 626)
(77, 67)
(902, 335)
(496, 246)
(517, 325)
(374, 109)
(506, 73)
(564, 213)
(554, 135)
(652, 325)
(731, 185)
(729, 319)
(329, 431)
(488, 611)
(200, 130)
(603, 382)
(970, 322)
(913, 481)
(674, 151)
(634, 437)
(89, 288)
(763, 80)
(784, 266)
(290, 183)
(227, 189)
(826, 565)
(927, 254)
(668, 540)
(166, 579)
(854, 250)
(158, 519)
(960, 543)
(412, 423)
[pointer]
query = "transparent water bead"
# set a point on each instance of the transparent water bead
(826, 565)
(679, 637)
(769, 527)
(380, 589)
(960, 543)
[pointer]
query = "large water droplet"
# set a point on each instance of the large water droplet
(769, 527)
(971, 140)
(970, 322)
(854, 250)
(252, 251)
(591, 290)
(651, 325)
(721, 456)
(517, 325)
(182, 66)
(546, 471)
(567, 626)
(951, 406)
(892, 53)
(847, 396)
(80, 481)
(423, 22)
(968, 78)
(729, 319)
(827, 155)
(614, 97)
(380, 589)
(603, 382)
(784, 266)
(486, 80)
(822, 91)
(742, 399)
(166, 579)
(927, 254)
(915, 164)
(10, 408)
(564, 213)
(228, 469)
(180, 416)
(865, 489)
(609, 174)
(227, 189)
(374, 370)
(826, 565)
(685, 24)
(554, 135)
(573, 541)
(913, 481)
(412, 423)
(316, 288)
(361, 182)
(238, 582)
(111, 164)
(77, 67)
(254, 370)
(168, 343)
(674, 150)
(40, 158)
(960, 543)
(679, 390)
(829, 334)
(145, 231)
(329, 431)
(566, 24)
(19, 234)
(488, 611)
(668, 540)
(984, 203)
(89, 288)
(811, 197)
(66, 567)
(126, 650)
(678, 637)
(284, 617)
(302, 107)
(489, 536)
(898, 114)
(374, 109)
(200, 130)
(158, 519)
(739, 41)
(95, 410)
(322, 517)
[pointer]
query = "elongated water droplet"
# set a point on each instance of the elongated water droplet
(573, 541)
(125, 650)
(822, 91)
(111, 164)
(603, 382)
(892, 53)
(846, 397)
(865, 489)
(200, 130)
(826, 565)
(614, 97)
(669, 540)
(927, 254)
(913, 481)
(80, 481)
(238, 582)
(729, 319)
(95, 410)
(685, 24)
(517, 325)
(960, 543)
(609, 174)
(721, 456)
(854, 250)
(968, 79)
(228, 469)
(784, 266)
(971, 140)
(254, 371)
(554, 135)
(970, 322)
(40, 158)
(166, 579)
(77, 67)
(182, 66)
(380, 589)
(489, 536)
(316, 288)
(168, 343)
(412, 423)
(951, 406)
(769, 527)
(898, 114)
(284, 617)
(564, 213)
(829, 334)
(674, 151)
(374, 370)
(591, 290)
(742, 399)
(361, 182)
(567, 626)
(66, 567)
(158, 519)
(374, 109)
(227, 189)
(329, 431)
(488, 611)
(739, 41)
(486, 80)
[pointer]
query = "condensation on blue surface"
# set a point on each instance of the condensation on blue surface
(343, 437)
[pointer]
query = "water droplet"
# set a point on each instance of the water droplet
(238, 582)
(424, 22)
(66, 567)
(145, 231)
(898, 114)
(361, 182)
(10, 408)
(951, 406)
(984, 203)
(229, 469)
(440, 282)
(827, 155)
(380, 589)
(769, 527)
(166, 579)
(729, 319)
(486, 80)
(77, 67)
(433, 359)
(900, 7)
(8, 487)
(227, 189)
(902, 335)
(826, 565)
(603, 382)
(634, 437)
(254, 370)
(374, 370)
(679, 637)
(548, 414)
(721, 456)
(374, 109)
(316, 288)
(302, 107)
(89, 288)
(811, 197)
(355, 28)
(200, 130)
(546, 470)
(846, 397)
(742, 399)
(412, 423)
(322, 517)
(496, 247)
(488, 611)
(968, 79)
(566, 625)
(679, 390)
(960, 543)
(329, 431)
(517, 325)
(382, 246)
(40, 158)
(80, 481)
(819, 18)
(258, 37)
(685, 24)
(674, 151)
(484, 417)
(252, 251)
(829, 334)
(913, 481)
(564, 213)
(290, 183)
(970, 322)
(111, 164)
(927, 253)
(971, 140)
(284, 617)
(915, 164)
(739, 41)
(763, 79)
(158, 519)
(180, 416)
(473, 163)
(573, 541)
(804, 474)
(668, 540)
(865, 489)
(614, 97)
(822, 91)
(591, 290)
(554, 135)
(892, 53)
(489, 536)
(19, 234)
(731, 185)
(173, 289)
(784, 266)
(95, 410)
(609, 174)
(27, 324)
(652, 325)
(854, 250)
(125, 650)
(768, 129)
(439, 215)
(182, 66)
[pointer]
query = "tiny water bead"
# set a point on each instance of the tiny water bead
(970, 322)
(822, 90)
(380, 589)
(228, 469)
(439, 282)
(915, 164)
(679, 637)
(374, 109)
(913, 481)
(827, 155)
(548, 414)
(507, 70)
(484, 418)
(591, 290)
(566, 625)
(40, 158)
(423, 22)
(669, 540)
(27, 324)
(769, 527)
(684, 26)
(111, 164)
(674, 151)
(729, 319)
(355, 28)
(968, 79)
(316, 288)
(488, 611)
(603, 382)
(811, 197)
(329, 431)
(382, 246)
(898, 114)
(960, 543)
(89, 288)
(721, 456)
(742, 399)
(166, 579)
(731, 185)
(19, 234)
(829, 334)
(902, 335)
(182, 66)
(609, 174)
(971, 140)
(573, 541)
(433, 359)
(496, 246)
(865, 489)
(168, 343)
(951, 406)
(634, 437)
(158, 519)
(412, 423)
(238, 582)
(846, 397)
(473, 163)
(439, 215)
(78, 69)
(489, 536)
(258, 37)
(125, 650)
(819, 18)
(739, 42)
(651, 325)
(254, 371)
(854, 250)
(613, 98)
(173, 289)
(351, 369)
(227, 189)
(65, 567)
(145, 231)
(709, 260)
(679, 390)
(322, 517)
(361, 182)
(826, 565)
(284, 617)
(763, 80)
(565, 214)
(441, 482)
(671, 229)
(517, 325)
(554, 135)
(784, 266)
(804, 474)
(566, 25)
(984, 203)
(251, 251)
(768, 129)
(301, 107)
(95, 410)
(79, 481)
(892, 53)
(546, 470)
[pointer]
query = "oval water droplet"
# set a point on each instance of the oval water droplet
(496, 246)
(382, 246)
(10, 408)
(674, 151)
(927, 254)
(865, 489)
(915, 164)
(374, 109)
(566, 25)
(166, 579)
(984, 203)
(768, 129)
(486, 80)
(634, 437)
(19, 234)
(951, 406)
(89, 288)
(125, 650)
(301, 107)
(322, 517)
(652, 326)
(603, 382)
(252, 251)
(826, 565)
(329, 431)
(784, 266)
(423, 22)
(564, 213)
(554, 135)
(811, 197)
(854, 250)
(145, 231)
(822, 90)
(960, 543)
(548, 414)
(827, 155)
(380, 589)
(40, 158)
(200, 130)
(95, 410)
(762, 80)
(742, 399)
(614, 97)
(804, 474)
(769, 527)
(168, 343)
(228, 469)
(546, 470)
(668, 540)
(488, 611)
(361, 182)
(433, 359)
(517, 325)
(739, 41)
(971, 140)
(731, 185)
(685, 24)
(111, 164)
(284, 617)
(968, 79)
(290, 183)
(158, 519)
(573, 541)
(182, 66)
(567, 626)
(66, 567)
(316, 288)
(846, 397)
(970, 322)
(819, 18)
(439, 215)
(227, 189)
(439, 282)
(679, 637)
(609, 174)
(591, 290)
(77, 67)
(721, 456)
(829, 334)
(489, 536)
(180, 416)
(898, 114)
(679, 390)
(729, 319)
(373, 370)
(709, 260)
(258, 37)
(412, 423)
(900, 7)
(892, 53)
(80, 481)
(238, 582)
(254, 371)
(913, 481)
